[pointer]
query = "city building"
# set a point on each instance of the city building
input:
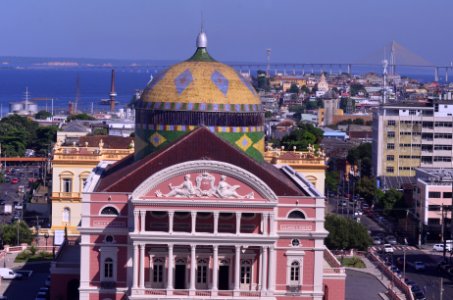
(409, 135)
(72, 163)
(433, 197)
(196, 212)
(311, 164)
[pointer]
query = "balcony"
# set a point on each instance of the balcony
(66, 196)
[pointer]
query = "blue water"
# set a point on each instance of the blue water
(60, 85)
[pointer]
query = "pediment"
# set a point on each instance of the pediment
(204, 180)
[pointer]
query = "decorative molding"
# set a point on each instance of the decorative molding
(203, 167)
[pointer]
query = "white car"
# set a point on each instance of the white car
(388, 248)
(6, 273)
(440, 247)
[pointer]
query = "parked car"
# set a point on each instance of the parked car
(7, 273)
(377, 240)
(390, 239)
(419, 296)
(388, 248)
(14, 180)
(419, 265)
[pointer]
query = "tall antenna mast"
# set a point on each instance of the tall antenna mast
(268, 66)
(77, 93)
(112, 92)
(385, 63)
(393, 58)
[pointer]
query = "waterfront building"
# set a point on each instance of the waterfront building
(408, 135)
(196, 212)
(72, 162)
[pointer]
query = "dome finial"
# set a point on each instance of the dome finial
(202, 39)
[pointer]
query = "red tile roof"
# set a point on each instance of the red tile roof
(200, 144)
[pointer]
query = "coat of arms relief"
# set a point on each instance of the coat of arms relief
(204, 187)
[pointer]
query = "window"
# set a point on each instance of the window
(108, 268)
(295, 243)
(390, 123)
(109, 210)
(447, 195)
(202, 271)
(391, 134)
(297, 214)
(158, 270)
(412, 112)
(67, 185)
(390, 146)
(434, 195)
(109, 239)
(390, 170)
(245, 272)
(66, 217)
(434, 207)
(390, 157)
(295, 272)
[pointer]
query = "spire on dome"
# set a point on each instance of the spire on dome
(202, 39)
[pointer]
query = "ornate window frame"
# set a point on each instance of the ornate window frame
(296, 210)
(109, 206)
(291, 257)
(111, 253)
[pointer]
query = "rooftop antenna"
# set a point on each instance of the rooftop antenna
(393, 57)
(27, 97)
(385, 64)
(112, 92)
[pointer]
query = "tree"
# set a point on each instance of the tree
(82, 116)
(100, 131)
(10, 232)
(294, 89)
(332, 180)
(390, 200)
(267, 114)
(42, 115)
(366, 187)
(357, 88)
(301, 137)
(346, 234)
(361, 156)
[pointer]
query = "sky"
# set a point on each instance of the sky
(297, 31)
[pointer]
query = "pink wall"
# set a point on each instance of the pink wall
(335, 289)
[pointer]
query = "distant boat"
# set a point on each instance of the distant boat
(106, 102)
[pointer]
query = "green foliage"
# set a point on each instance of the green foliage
(362, 154)
(353, 262)
(294, 89)
(100, 131)
(82, 116)
(347, 105)
(262, 81)
(332, 180)
(42, 115)
(390, 200)
(10, 232)
(346, 234)
(28, 255)
(301, 137)
(267, 114)
(356, 89)
(19, 133)
(366, 187)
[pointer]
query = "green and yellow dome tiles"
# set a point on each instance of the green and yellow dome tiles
(199, 92)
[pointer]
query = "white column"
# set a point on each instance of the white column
(238, 223)
(142, 266)
(142, 220)
(136, 221)
(215, 268)
(216, 222)
(260, 267)
(170, 268)
(265, 274)
(237, 265)
(272, 268)
(135, 267)
(272, 224)
(171, 215)
(194, 221)
(193, 265)
(265, 223)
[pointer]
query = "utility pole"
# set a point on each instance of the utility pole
(444, 241)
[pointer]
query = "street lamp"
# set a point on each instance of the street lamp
(46, 236)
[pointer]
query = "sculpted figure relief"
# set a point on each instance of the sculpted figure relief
(205, 187)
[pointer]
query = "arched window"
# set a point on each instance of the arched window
(297, 214)
(295, 272)
(66, 217)
(110, 211)
(108, 268)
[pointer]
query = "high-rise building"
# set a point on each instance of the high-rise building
(412, 134)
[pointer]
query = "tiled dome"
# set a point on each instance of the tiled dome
(199, 92)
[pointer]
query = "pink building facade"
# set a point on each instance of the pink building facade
(205, 229)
